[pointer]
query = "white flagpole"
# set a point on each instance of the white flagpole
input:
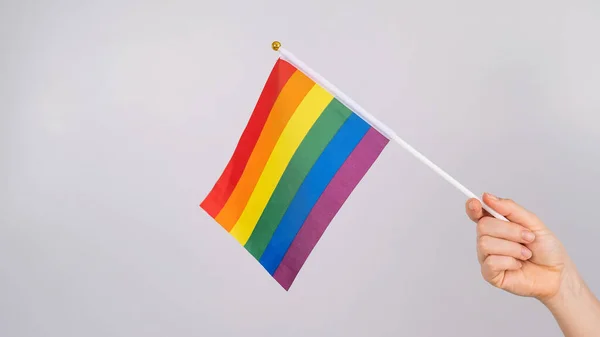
(375, 123)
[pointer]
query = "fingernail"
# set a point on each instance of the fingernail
(526, 252)
(472, 205)
(528, 236)
(520, 264)
(491, 196)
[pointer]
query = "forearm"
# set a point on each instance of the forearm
(576, 309)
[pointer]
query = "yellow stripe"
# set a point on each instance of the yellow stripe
(296, 129)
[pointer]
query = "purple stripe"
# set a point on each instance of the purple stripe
(330, 202)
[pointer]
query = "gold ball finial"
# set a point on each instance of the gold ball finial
(276, 45)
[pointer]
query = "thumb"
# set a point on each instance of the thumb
(514, 212)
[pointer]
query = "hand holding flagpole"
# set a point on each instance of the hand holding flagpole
(286, 55)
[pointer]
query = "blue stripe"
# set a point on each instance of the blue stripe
(324, 169)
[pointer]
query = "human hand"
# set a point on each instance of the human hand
(522, 256)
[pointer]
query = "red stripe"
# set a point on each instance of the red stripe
(216, 199)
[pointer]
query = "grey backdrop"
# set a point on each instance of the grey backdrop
(118, 117)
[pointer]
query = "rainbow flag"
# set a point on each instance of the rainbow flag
(300, 156)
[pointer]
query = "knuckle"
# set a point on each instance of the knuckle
(509, 231)
(483, 225)
(480, 227)
(509, 201)
(490, 263)
(517, 232)
(491, 271)
(488, 274)
(483, 243)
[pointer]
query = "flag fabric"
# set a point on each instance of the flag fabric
(299, 158)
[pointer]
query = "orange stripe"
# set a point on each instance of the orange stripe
(216, 199)
(290, 97)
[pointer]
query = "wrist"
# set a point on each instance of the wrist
(571, 290)
(574, 306)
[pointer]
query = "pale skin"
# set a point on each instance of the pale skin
(525, 258)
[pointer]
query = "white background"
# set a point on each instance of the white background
(118, 116)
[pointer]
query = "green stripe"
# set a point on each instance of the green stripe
(316, 140)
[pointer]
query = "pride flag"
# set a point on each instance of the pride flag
(300, 156)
